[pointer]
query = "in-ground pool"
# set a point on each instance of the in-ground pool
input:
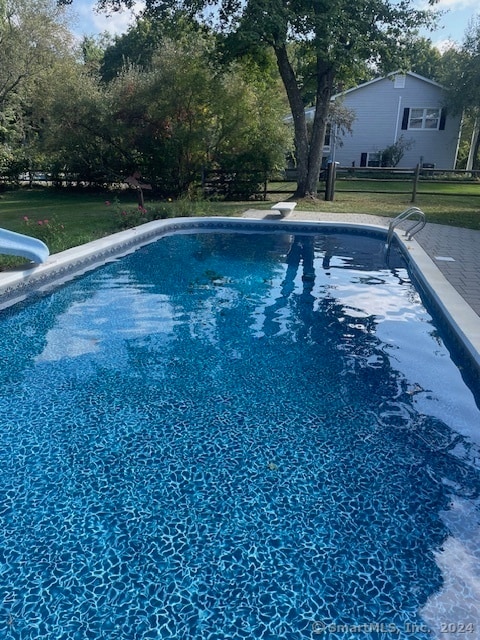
(237, 436)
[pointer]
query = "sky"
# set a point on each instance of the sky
(86, 21)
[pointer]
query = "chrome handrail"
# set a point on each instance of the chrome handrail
(405, 215)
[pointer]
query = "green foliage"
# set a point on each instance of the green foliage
(186, 113)
(127, 217)
(135, 47)
(94, 49)
(420, 56)
(393, 153)
(49, 230)
(461, 75)
(32, 37)
(178, 110)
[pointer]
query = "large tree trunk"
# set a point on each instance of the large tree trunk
(308, 152)
(322, 106)
(299, 121)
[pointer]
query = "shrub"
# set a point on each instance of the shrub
(49, 230)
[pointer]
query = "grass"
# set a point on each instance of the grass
(85, 216)
(77, 217)
(443, 203)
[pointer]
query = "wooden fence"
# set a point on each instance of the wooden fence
(258, 185)
(381, 180)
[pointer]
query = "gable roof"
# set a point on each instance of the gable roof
(392, 74)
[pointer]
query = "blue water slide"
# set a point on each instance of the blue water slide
(17, 244)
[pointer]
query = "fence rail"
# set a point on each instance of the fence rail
(243, 185)
(387, 181)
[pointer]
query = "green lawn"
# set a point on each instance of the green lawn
(87, 216)
(78, 217)
(399, 186)
(456, 204)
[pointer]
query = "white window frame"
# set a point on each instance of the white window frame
(374, 159)
(424, 115)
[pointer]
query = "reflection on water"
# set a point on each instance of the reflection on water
(237, 436)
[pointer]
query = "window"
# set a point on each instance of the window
(372, 159)
(328, 135)
(426, 119)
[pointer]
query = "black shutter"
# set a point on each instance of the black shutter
(406, 115)
(443, 117)
(363, 159)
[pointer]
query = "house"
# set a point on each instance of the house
(400, 106)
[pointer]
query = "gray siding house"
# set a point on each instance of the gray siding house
(385, 109)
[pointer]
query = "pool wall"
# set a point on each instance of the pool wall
(460, 322)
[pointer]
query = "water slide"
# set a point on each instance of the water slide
(17, 244)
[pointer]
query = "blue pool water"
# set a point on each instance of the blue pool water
(237, 436)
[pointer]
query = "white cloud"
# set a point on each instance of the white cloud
(445, 45)
(117, 22)
(456, 4)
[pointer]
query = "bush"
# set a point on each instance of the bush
(49, 230)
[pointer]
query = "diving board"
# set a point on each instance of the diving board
(283, 208)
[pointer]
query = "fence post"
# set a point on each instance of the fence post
(330, 182)
(416, 177)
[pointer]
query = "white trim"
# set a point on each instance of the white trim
(424, 118)
(398, 121)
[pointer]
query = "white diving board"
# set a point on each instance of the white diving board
(284, 208)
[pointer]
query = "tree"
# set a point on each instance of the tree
(339, 34)
(74, 130)
(461, 76)
(185, 113)
(31, 31)
(423, 58)
(136, 46)
(391, 155)
(33, 37)
(179, 112)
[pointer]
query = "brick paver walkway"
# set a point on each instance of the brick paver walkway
(463, 245)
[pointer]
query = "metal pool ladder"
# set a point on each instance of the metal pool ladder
(405, 215)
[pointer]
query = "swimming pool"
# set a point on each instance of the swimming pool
(237, 436)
